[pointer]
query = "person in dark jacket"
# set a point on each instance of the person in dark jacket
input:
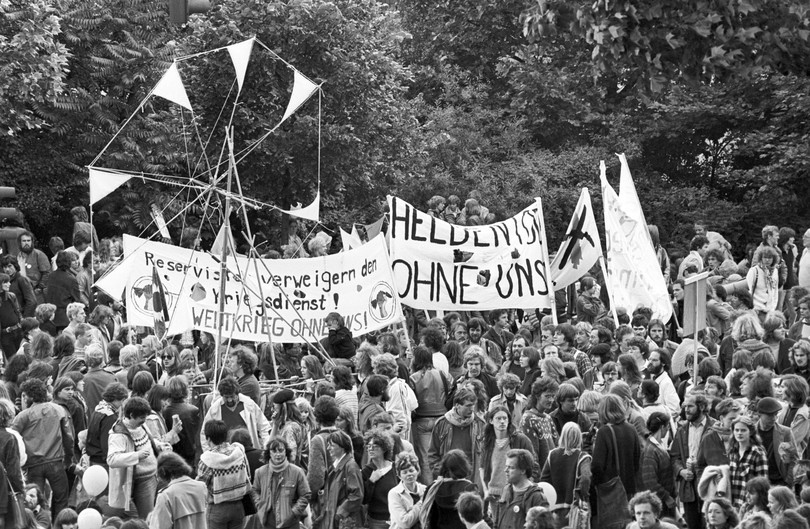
(379, 477)
(439, 504)
(63, 288)
(339, 343)
(612, 415)
(520, 494)
(187, 446)
(10, 317)
(101, 421)
(20, 286)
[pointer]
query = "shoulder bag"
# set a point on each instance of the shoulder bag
(579, 515)
(611, 497)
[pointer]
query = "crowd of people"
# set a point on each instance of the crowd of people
(505, 419)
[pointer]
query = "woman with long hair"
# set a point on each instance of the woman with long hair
(455, 358)
(763, 281)
(158, 398)
(775, 326)
(288, 424)
(568, 468)
(780, 499)
(554, 368)
(171, 363)
(747, 458)
(379, 477)
(721, 515)
(613, 416)
(344, 424)
(10, 317)
(530, 362)
(500, 436)
(439, 506)
(635, 415)
(629, 371)
(431, 387)
(657, 474)
(756, 498)
(311, 372)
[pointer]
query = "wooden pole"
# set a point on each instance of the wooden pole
(223, 268)
(609, 289)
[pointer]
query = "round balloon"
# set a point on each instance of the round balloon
(548, 492)
(95, 480)
(90, 519)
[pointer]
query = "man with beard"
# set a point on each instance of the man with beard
(537, 424)
(778, 442)
(33, 264)
(476, 328)
(684, 452)
(474, 363)
(499, 332)
(658, 364)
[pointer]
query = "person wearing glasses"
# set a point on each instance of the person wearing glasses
(281, 488)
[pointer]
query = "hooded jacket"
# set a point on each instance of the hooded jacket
(101, 421)
(224, 469)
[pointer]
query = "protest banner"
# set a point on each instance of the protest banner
(635, 277)
(441, 266)
(298, 293)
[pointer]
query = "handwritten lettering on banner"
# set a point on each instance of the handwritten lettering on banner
(296, 294)
(438, 265)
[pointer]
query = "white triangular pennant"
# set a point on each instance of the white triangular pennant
(240, 55)
(580, 249)
(223, 242)
(303, 88)
(311, 212)
(102, 183)
(171, 87)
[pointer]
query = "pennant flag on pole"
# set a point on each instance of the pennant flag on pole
(240, 55)
(350, 241)
(374, 229)
(159, 304)
(223, 241)
(102, 183)
(303, 88)
(635, 280)
(310, 212)
(160, 221)
(171, 87)
(580, 249)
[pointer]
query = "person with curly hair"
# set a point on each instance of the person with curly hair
(281, 487)
(379, 477)
(401, 398)
(405, 499)
(182, 503)
(537, 424)
(756, 498)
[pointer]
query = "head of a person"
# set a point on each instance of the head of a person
(744, 432)
(172, 466)
(699, 243)
(7, 413)
(530, 357)
(474, 361)
(628, 368)
(791, 519)
(540, 518)
(178, 388)
(326, 411)
(508, 384)
(67, 518)
(649, 391)
(775, 326)
(716, 387)
(470, 507)
(377, 386)
(544, 392)
(385, 365)
(379, 444)
(747, 327)
(433, 338)
(780, 499)
(795, 390)
(339, 444)
(645, 508)
(800, 354)
(216, 431)
(134, 412)
(567, 398)
(756, 492)
(565, 335)
(464, 402)
(33, 496)
(342, 378)
(612, 409)
(695, 406)
(158, 397)
(454, 465)
(228, 389)
(498, 420)
(589, 405)
(406, 466)
(63, 389)
(476, 327)
(721, 514)
(570, 437)
(276, 451)
(115, 393)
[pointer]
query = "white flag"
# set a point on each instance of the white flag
(311, 212)
(633, 269)
(171, 87)
(303, 88)
(240, 55)
(580, 249)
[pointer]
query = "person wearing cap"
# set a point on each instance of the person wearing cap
(778, 442)
(288, 424)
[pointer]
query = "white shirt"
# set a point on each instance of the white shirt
(804, 269)
(440, 362)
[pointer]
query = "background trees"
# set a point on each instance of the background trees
(513, 98)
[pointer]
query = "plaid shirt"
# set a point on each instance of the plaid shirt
(752, 464)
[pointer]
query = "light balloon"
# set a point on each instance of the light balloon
(90, 519)
(95, 480)
(548, 492)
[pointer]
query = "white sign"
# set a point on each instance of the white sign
(287, 298)
(441, 266)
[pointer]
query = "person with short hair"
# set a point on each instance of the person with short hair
(537, 424)
(339, 343)
(238, 411)
(372, 401)
(280, 487)
(796, 415)
(460, 428)
(520, 494)
(46, 430)
(326, 412)
(405, 499)
(343, 492)
(104, 415)
(778, 442)
(431, 387)
(645, 508)
(223, 468)
(187, 414)
(132, 459)
(20, 285)
(63, 289)
(182, 503)
(242, 363)
(402, 400)
(96, 380)
(439, 504)
(470, 509)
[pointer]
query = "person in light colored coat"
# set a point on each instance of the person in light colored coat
(256, 423)
(404, 511)
(181, 505)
